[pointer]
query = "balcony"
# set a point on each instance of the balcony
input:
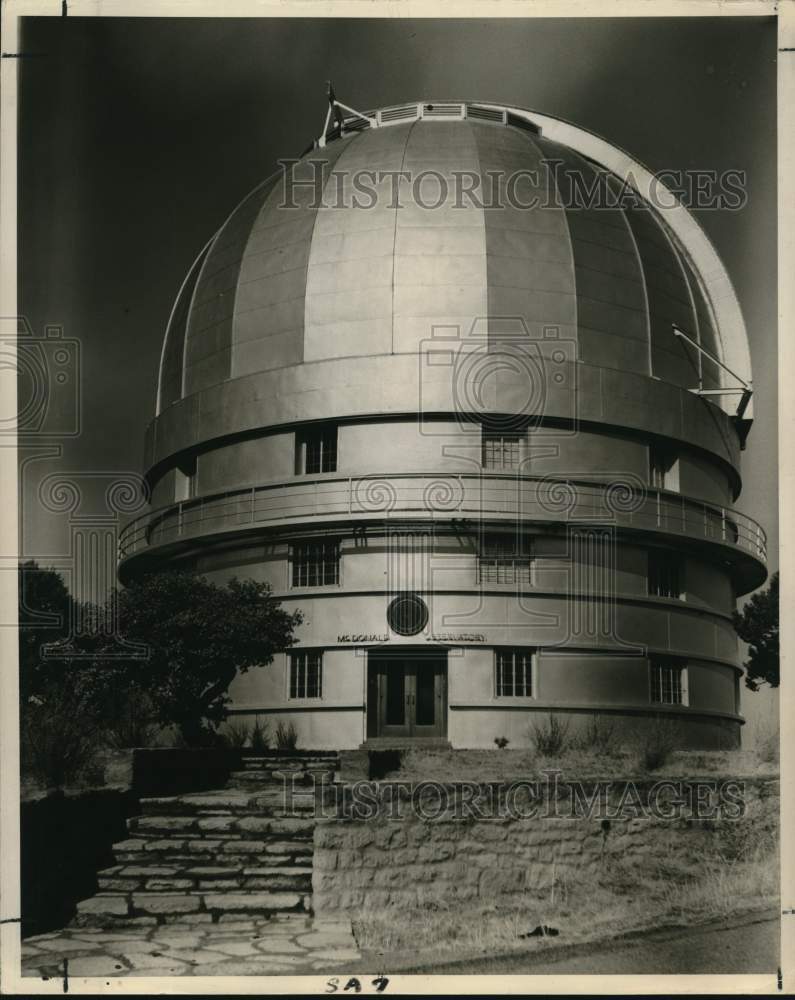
(490, 497)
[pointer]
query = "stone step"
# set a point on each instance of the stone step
(277, 852)
(256, 801)
(186, 877)
(220, 827)
(120, 909)
(285, 758)
(192, 845)
(299, 808)
(326, 756)
(279, 779)
(275, 806)
(171, 858)
(289, 766)
(259, 799)
(273, 784)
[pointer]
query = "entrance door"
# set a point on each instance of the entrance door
(407, 695)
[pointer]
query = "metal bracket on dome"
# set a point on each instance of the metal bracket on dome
(744, 390)
(334, 108)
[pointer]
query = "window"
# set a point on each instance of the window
(663, 468)
(185, 479)
(316, 450)
(306, 675)
(501, 450)
(514, 673)
(668, 683)
(505, 559)
(665, 572)
(315, 564)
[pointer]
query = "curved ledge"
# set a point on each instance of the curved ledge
(242, 708)
(672, 604)
(682, 711)
(400, 385)
(330, 502)
(629, 708)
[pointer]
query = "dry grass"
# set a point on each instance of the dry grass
(724, 888)
(735, 871)
(286, 737)
(672, 889)
(237, 733)
(583, 759)
(259, 736)
(767, 744)
(550, 737)
(657, 742)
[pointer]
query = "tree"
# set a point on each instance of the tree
(757, 625)
(45, 614)
(199, 636)
(61, 716)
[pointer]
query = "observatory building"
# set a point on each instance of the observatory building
(468, 395)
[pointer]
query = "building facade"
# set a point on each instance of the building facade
(465, 395)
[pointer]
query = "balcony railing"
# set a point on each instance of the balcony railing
(490, 496)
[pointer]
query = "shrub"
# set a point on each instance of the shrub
(600, 735)
(767, 744)
(551, 738)
(501, 741)
(131, 721)
(60, 738)
(260, 736)
(286, 736)
(753, 837)
(237, 733)
(658, 740)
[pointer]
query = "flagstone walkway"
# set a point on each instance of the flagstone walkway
(286, 944)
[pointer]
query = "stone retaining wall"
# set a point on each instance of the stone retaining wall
(407, 861)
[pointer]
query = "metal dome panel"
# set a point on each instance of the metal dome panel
(280, 286)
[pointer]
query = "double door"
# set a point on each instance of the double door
(407, 695)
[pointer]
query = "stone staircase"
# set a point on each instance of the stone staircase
(244, 851)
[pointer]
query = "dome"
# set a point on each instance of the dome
(381, 244)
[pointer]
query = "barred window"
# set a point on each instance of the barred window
(316, 450)
(501, 450)
(505, 558)
(315, 564)
(668, 683)
(514, 673)
(664, 577)
(306, 675)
